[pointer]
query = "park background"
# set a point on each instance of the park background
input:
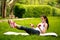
(24, 12)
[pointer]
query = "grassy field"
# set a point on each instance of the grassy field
(54, 27)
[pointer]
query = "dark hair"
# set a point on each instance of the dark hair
(45, 17)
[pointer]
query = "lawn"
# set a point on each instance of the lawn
(54, 27)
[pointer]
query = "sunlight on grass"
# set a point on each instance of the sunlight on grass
(54, 27)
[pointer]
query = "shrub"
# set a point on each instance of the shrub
(46, 10)
(19, 10)
(34, 10)
(55, 11)
(28, 12)
(52, 3)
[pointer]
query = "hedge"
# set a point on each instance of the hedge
(21, 10)
(36, 11)
(55, 12)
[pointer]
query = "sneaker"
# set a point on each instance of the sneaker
(12, 24)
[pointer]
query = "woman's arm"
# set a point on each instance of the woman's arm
(43, 31)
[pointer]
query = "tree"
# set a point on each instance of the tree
(3, 3)
(11, 6)
(58, 1)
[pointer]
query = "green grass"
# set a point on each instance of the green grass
(54, 27)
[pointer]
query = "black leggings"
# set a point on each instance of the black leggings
(29, 30)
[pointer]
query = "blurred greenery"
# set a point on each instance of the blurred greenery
(32, 8)
(35, 10)
(52, 3)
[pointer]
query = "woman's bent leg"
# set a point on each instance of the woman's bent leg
(29, 30)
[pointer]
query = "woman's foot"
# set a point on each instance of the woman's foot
(12, 24)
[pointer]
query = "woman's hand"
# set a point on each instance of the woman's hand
(39, 25)
(31, 25)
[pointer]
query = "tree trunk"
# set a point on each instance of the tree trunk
(3, 8)
(11, 7)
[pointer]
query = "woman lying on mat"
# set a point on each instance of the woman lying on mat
(41, 27)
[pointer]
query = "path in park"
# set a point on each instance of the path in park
(5, 20)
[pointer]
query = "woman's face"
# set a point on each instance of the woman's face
(42, 18)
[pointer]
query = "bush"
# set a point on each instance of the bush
(40, 10)
(34, 10)
(52, 3)
(28, 12)
(19, 10)
(55, 12)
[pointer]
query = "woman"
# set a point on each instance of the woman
(41, 27)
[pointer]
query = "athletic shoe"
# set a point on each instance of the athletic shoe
(12, 24)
